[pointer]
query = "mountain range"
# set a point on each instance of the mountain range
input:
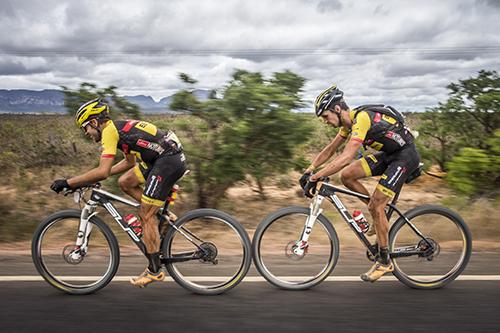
(52, 101)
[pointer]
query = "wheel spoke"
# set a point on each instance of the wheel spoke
(436, 259)
(222, 258)
(68, 267)
(288, 262)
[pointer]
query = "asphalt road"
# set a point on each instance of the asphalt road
(463, 306)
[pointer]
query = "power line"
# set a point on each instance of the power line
(494, 49)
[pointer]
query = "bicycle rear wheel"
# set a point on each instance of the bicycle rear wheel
(276, 238)
(441, 258)
(223, 251)
(68, 268)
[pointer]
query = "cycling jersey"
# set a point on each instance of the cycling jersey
(140, 138)
(398, 156)
(378, 131)
(160, 161)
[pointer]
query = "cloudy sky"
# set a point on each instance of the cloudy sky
(402, 53)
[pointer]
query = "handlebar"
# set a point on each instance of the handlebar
(80, 189)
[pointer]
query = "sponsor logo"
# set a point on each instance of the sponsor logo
(377, 117)
(143, 143)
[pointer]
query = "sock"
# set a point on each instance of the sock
(384, 255)
(154, 262)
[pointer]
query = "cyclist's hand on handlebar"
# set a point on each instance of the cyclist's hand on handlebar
(60, 185)
(304, 179)
(310, 188)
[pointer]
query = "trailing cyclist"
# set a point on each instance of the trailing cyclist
(153, 158)
(380, 128)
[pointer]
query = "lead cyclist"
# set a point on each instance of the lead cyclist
(153, 158)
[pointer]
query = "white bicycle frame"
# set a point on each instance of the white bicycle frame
(89, 210)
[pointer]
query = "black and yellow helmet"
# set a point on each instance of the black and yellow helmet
(90, 110)
(326, 98)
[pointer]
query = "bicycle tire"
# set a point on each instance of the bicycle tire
(414, 281)
(36, 253)
(207, 213)
(273, 279)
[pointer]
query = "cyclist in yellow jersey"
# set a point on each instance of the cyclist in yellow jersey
(153, 158)
(379, 128)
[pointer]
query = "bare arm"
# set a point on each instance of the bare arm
(340, 162)
(100, 173)
(127, 163)
(327, 152)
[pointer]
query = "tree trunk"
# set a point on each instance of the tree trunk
(262, 194)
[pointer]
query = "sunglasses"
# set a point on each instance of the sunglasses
(84, 126)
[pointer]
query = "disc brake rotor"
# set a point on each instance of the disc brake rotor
(72, 254)
(292, 246)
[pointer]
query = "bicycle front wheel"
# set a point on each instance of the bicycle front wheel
(441, 257)
(220, 249)
(275, 240)
(68, 268)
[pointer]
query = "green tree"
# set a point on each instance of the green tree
(475, 171)
(443, 129)
(73, 99)
(479, 97)
(467, 119)
(248, 130)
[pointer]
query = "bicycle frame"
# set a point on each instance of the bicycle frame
(330, 192)
(104, 198)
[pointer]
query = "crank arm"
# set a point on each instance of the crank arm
(181, 257)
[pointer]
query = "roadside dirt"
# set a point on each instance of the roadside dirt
(245, 204)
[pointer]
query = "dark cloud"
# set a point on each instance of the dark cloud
(326, 6)
(490, 3)
(12, 67)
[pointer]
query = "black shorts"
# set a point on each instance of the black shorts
(160, 177)
(394, 168)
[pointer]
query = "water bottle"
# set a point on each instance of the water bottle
(360, 220)
(134, 224)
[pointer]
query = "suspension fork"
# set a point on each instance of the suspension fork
(85, 228)
(315, 211)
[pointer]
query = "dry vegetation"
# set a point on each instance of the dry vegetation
(37, 149)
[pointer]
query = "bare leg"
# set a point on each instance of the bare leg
(376, 206)
(350, 178)
(151, 237)
(130, 184)
(383, 265)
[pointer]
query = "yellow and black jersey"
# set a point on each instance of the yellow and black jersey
(377, 130)
(140, 138)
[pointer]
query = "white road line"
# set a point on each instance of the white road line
(28, 278)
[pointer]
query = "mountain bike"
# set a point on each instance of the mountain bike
(205, 251)
(297, 247)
